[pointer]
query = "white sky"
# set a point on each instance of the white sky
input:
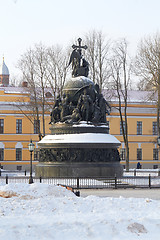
(26, 22)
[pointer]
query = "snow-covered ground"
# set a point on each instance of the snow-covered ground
(142, 172)
(42, 211)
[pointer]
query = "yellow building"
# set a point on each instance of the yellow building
(142, 129)
(16, 130)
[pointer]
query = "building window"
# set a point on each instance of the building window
(155, 154)
(1, 154)
(1, 126)
(123, 154)
(36, 155)
(36, 126)
(19, 168)
(121, 133)
(139, 154)
(19, 126)
(155, 166)
(139, 128)
(154, 128)
(18, 154)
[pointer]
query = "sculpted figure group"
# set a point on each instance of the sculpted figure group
(90, 107)
(75, 155)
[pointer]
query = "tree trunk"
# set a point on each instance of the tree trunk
(127, 158)
(158, 106)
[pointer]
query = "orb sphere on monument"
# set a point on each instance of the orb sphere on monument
(74, 85)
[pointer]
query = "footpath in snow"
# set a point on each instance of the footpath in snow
(153, 193)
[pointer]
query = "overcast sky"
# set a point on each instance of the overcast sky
(26, 22)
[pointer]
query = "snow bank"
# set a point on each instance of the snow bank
(36, 190)
(40, 211)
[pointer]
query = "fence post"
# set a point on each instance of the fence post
(25, 173)
(134, 172)
(115, 181)
(158, 172)
(0, 172)
(6, 179)
(40, 179)
(77, 182)
(149, 179)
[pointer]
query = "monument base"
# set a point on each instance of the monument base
(89, 153)
(79, 169)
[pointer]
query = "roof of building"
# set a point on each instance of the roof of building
(4, 69)
(16, 90)
(134, 96)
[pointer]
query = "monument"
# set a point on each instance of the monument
(79, 144)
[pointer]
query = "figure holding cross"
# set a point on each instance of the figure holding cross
(78, 68)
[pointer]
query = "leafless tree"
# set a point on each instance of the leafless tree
(91, 42)
(44, 69)
(26, 65)
(147, 66)
(120, 76)
(98, 56)
(57, 62)
(40, 66)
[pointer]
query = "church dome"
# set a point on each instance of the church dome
(4, 69)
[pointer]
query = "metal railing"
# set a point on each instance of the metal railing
(91, 182)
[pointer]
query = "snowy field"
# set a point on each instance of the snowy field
(41, 211)
(142, 172)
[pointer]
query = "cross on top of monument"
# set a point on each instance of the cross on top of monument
(79, 47)
(80, 66)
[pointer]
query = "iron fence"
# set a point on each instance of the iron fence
(90, 182)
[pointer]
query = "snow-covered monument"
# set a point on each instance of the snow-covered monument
(79, 144)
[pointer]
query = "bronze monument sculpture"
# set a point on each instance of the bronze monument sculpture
(79, 144)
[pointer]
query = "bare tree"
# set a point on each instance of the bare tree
(91, 41)
(98, 57)
(147, 66)
(120, 75)
(26, 65)
(40, 66)
(44, 69)
(57, 62)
